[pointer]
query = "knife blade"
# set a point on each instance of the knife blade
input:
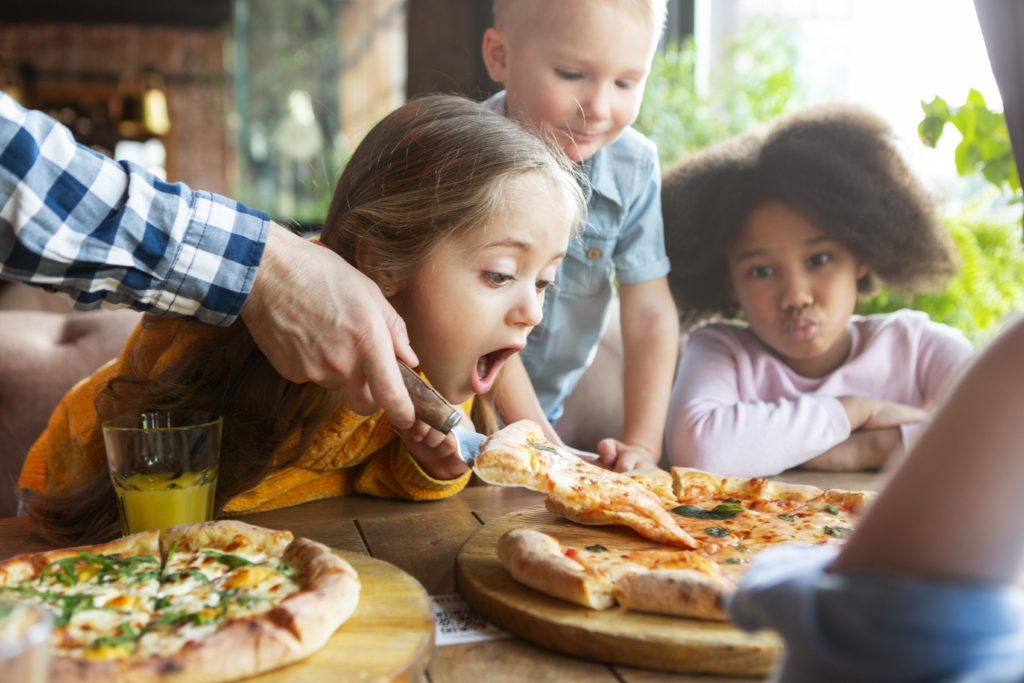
(436, 411)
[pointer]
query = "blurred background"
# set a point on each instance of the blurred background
(262, 100)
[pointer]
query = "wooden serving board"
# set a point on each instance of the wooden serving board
(616, 635)
(390, 636)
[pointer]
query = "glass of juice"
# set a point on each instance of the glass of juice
(164, 467)
(25, 631)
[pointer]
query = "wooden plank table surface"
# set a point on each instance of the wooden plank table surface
(423, 539)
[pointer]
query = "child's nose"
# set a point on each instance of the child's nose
(597, 106)
(528, 310)
(797, 293)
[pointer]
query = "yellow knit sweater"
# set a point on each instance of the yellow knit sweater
(349, 453)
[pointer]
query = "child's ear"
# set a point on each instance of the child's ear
(495, 52)
(862, 270)
(370, 265)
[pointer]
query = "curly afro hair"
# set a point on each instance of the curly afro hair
(837, 165)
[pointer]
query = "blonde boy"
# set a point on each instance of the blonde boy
(575, 70)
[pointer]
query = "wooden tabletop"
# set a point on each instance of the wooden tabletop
(423, 539)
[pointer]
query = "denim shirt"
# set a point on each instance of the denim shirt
(622, 241)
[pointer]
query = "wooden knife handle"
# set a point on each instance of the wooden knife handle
(431, 407)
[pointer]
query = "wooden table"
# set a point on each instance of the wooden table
(423, 539)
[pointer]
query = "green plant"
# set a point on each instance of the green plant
(756, 84)
(988, 287)
(985, 142)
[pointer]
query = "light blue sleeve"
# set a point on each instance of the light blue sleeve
(872, 627)
(640, 251)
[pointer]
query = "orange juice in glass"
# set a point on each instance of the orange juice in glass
(164, 468)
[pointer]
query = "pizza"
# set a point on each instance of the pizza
(214, 601)
(726, 521)
(520, 455)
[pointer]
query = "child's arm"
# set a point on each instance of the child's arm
(650, 341)
(866, 449)
(714, 426)
(516, 399)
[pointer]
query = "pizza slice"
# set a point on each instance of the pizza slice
(730, 519)
(520, 455)
(675, 582)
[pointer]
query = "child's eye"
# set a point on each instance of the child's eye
(819, 259)
(626, 85)
(761, 272)
(497, 279)
(568, 75)
(546, 286)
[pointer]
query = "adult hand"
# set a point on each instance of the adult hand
(318, 319)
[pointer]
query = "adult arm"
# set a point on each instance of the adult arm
(650, 342)
(711, 427)
(966, 474)
(108, 232)
(104, 232)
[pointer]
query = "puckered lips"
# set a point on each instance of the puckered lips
(487, 367)
(802, 328)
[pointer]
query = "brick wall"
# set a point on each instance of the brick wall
(86, 61)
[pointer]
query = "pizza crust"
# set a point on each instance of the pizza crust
(536, 560)
(694, 587)
(676, 592)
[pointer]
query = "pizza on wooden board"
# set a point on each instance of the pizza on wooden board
(214, 601)
(520, 455)
(727, 520)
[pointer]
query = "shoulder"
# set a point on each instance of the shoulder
(907, 326)
(732, 337)
(728, 332)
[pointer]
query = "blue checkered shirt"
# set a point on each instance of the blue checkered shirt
(109, 233)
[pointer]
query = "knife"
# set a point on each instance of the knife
(434, 409)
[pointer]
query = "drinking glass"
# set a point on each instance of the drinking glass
(25, 631)
(164, 467)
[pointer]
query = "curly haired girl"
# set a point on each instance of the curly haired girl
(460, 216)
(786, 227)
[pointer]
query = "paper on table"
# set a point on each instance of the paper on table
(457, 623)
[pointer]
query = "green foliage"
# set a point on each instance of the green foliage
(988, 288)
(985, 142)
(759, 85)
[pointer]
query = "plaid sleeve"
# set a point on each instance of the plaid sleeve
(110, 233)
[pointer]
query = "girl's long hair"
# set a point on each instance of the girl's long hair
(432, 169)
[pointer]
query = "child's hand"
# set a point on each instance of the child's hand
(873, 413)
(435, 452)
(865, 449)
(623, 457)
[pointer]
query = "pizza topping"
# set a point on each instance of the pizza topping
(227, 559)
(837, 531)
(787, 518)
(716, 531)
(831, 509)
(596, 548)
(723, 511)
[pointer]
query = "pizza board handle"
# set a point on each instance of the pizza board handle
(431, 406)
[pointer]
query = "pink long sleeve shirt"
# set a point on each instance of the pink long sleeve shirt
(737, 409)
